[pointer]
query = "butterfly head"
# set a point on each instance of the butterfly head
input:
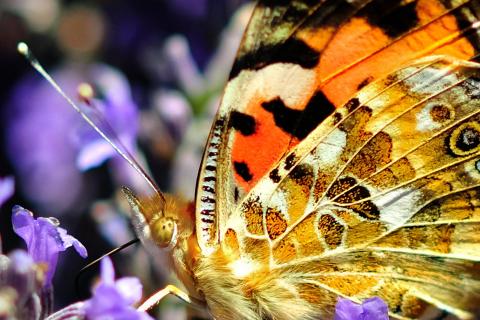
(160, 219)
(164, 231)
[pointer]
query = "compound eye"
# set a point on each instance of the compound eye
(164, 232)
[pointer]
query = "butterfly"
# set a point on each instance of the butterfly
(344, 161)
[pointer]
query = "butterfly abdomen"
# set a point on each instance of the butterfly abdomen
(245, 289)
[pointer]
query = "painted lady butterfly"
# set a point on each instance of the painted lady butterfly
(344, 161)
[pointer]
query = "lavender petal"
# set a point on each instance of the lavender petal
(375, 309)
(7, 188)
(107, 271)
(69, 240)
(130, 288)
(348, 310)
(23, 223)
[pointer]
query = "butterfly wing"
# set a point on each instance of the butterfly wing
(298, 61)
(382, 198)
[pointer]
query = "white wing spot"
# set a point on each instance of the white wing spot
(288, 81)
(397, 206)
(429, 80)
(331, 148)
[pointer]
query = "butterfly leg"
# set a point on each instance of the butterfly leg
(159, 295)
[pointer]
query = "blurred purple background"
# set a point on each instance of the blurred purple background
(157, 68)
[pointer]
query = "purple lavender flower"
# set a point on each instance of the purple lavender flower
(20, 287)
(115, 298)
(112, 299)
(7, 187)
(115, 105)
(44, 238)
(371, 309)
(49, 144)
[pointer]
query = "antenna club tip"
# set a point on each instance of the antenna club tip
(85, 91)
(22, 47)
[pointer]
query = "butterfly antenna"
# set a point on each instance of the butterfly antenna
(96, 261)
(86, 92)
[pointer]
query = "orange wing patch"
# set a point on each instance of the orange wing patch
(253, 154)
(278, 128)
(361, 52)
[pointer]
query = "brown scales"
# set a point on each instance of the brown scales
(376, 154)
(331, 230)
(397, 173)
(253, 214)
(435, 238)
(275, 223)
(301, 241)
(440, 113)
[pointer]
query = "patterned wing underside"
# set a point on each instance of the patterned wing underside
(298, 61)
(383, 198)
